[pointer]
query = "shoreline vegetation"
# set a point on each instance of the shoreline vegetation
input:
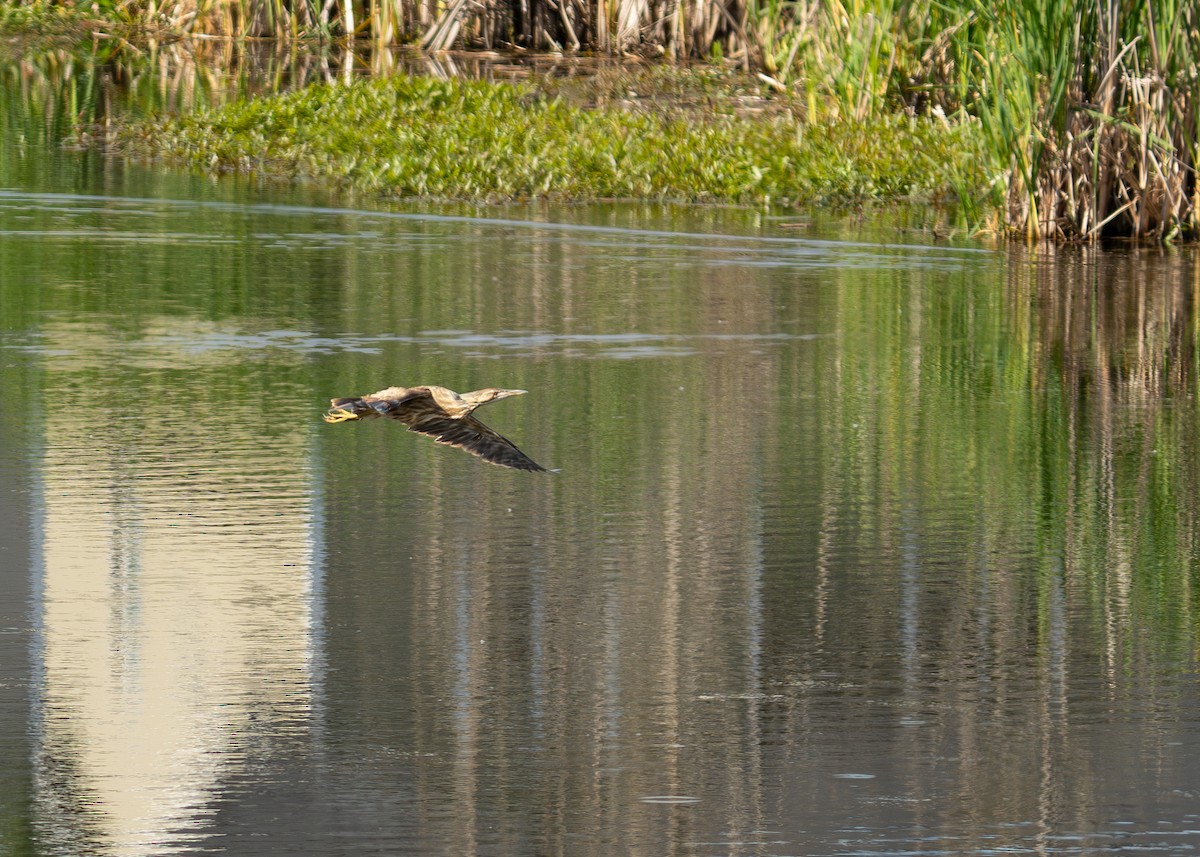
(1068, 121)
(417, 137)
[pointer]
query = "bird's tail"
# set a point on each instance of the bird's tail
(342, 410)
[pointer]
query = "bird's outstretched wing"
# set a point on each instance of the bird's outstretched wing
(471, 435)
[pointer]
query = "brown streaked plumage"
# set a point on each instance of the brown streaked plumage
(443, 415)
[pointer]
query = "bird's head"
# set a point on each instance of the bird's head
(490, 394)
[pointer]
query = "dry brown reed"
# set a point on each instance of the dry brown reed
(1090, 109)
(1123, 163)
(675, 28)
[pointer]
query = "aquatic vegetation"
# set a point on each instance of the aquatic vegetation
(40, 20)
(409, 136)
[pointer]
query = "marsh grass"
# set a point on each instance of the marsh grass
(44, 23)
(1088, 109)
(408, 136)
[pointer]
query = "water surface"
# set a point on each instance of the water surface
(856, 548)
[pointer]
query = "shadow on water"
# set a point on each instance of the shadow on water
(856, 549)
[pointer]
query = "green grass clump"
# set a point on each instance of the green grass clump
(418, 137)
(44, 20)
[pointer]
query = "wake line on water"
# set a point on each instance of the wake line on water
(500, 222)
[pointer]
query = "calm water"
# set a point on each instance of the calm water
(856, 549)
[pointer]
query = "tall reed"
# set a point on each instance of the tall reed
(1089, 107)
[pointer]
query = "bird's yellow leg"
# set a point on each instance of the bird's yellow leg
(340, 415)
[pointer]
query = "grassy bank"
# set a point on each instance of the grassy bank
(1088, 110)
(409, 136)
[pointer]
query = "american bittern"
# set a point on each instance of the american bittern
(443, 415)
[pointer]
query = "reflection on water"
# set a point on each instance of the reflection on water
(175, 591)
(861, 551)
(856, 549)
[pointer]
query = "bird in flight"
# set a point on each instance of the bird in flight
(443, 415)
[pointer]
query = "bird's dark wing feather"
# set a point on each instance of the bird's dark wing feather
(471, 435)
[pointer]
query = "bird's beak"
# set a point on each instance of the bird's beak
(504, 394)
